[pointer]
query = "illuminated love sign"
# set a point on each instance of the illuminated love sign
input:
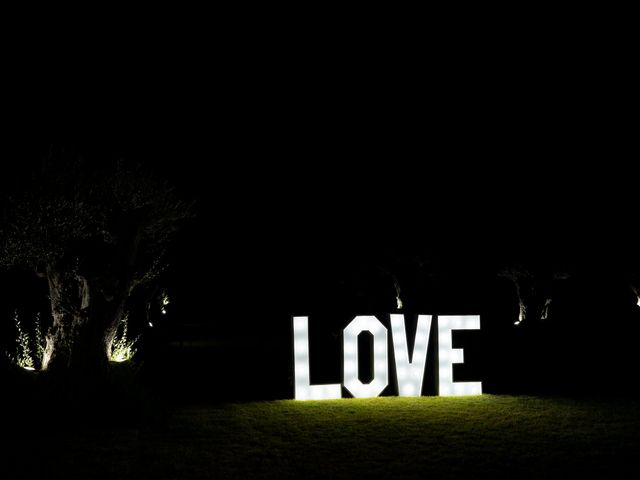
(409, 368)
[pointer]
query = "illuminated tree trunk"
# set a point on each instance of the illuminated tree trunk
(635, 287)
(533, 296)
(83, 327)
(534, 292)
(86, 313)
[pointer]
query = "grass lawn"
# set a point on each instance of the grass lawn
(484, 436)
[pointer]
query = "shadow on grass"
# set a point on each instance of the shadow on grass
(35, 401)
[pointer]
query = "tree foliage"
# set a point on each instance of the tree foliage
(77, 212)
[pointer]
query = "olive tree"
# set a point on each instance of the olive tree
(95, 231)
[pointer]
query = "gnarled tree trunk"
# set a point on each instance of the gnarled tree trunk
(84, 324)
(534, 293)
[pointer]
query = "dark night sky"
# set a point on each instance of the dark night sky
(282, 189)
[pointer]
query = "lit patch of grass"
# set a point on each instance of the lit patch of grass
(425, 437)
